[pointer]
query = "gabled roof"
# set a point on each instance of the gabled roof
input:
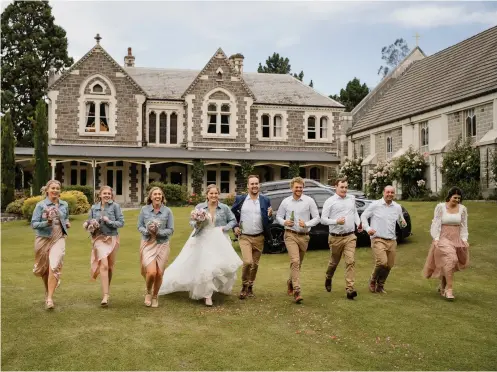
(96, 49)
(463, 71)
(276, 89)
(233, 72)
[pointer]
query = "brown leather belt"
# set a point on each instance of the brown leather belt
(344, 234)
(253, 236)
(297, 233)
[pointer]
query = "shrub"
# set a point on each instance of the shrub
(461, 164)
(82, 205)
(493, 166)
(15, 207)
(175, 194)
(195, 199)
(87, 190)
(379, 177)
(470, 190)
(408, 169)
(230, 200)
(29, 204)
(352, 169)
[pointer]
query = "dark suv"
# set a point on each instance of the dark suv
(285, 185)
(319, 233)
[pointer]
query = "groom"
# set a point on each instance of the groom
(253, 214)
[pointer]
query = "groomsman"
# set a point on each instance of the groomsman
(384, 214)
(340, 213)
(253, 214)
(295, 214)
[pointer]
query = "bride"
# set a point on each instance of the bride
(207, 263)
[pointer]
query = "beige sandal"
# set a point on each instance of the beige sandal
(155, 301)
(49, 305)
(148, 300)
(105, 300)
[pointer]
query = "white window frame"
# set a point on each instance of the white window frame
(79, 167)
(470, 114)
(97, 98)
(329, 131)
(272, 115)
(92, 88)
(168, 108)
(218, 168)
(233, 114)
(168, 113)
(389, 140)
(424, 136)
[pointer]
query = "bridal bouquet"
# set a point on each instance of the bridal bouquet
(153, 226)
(92, 226)
(50, 213)
(200, 217)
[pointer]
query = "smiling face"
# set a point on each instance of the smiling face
(105, 194)
(213, 195)
(157, 196)
(53, 190)
(297, 189)
(253, 185)
(455, 199)
(388, 194)
(341, 189)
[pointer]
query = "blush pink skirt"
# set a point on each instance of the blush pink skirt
(49, 252)
(103, 246)
(150, 250)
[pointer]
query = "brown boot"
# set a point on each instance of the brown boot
(243, 293)
(290, 287)
(327, 284)
(297, 296)
(250, 291)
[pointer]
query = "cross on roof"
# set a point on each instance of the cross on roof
(417, 36)
(98, 38)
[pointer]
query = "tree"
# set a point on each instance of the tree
(8, 160)
(353, 93)
(40, 136)
(277, 64)
(32, 45)
(311, 84)
(393, 55)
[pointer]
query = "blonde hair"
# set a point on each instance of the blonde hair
(299, 180)
(149, 197)
(209, 188)
(102, 188)
(44, 189)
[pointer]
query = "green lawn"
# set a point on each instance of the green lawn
(410, 328)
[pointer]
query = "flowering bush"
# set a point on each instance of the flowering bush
(408, 170)
(461, 168)
(195, 199)
(352, 169)
(230, 200)
(379, 177)
(493, 165)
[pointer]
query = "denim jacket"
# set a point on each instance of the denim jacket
(111, 210)
(164, 215)
(39, 222)
(224, 216)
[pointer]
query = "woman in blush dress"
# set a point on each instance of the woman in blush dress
(156, 224)
(449, 251)
(207, 263)
(50, 222)
(104, 220)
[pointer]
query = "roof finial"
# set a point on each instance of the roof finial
(98, 38)
(417, 36)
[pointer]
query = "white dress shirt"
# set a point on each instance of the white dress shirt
(302, 209)
(250, 217)
(384, 218)
(336, 207)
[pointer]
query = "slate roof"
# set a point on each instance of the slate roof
(267, 88)
(463, 71)
(149, 153)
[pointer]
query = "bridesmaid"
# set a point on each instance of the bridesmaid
(50, 221)
(449, 251)
(156, 224)
(105, 240)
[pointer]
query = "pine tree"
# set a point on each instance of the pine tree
(8, 161)
(42, 168)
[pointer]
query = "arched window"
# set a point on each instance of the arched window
(315, 174)
(163, 128)
(97, 117)
(173, 127)
(361, 151)
(278, 127)
(323, 127)
(266, 132)
(152, 127)
(470, 123)
(311, 127)
(97, 88)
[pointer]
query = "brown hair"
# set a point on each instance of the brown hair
(98, 199)
(343, 179)
(149, 197)
(299, 180)
(253, 176)
(44, 189)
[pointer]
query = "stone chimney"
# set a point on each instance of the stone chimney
(129, 60)
(236, 61)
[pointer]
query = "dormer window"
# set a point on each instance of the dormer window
(98, 89)
(219, 74)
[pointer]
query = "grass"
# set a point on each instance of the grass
(410, 328)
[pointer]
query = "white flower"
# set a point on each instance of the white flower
(421, 183)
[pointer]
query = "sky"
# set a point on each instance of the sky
(331, 41)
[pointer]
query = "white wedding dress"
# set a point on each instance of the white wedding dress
(206, 264)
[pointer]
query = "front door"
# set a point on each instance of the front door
(114, 177)
(176, 178)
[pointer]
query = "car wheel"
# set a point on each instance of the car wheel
(275, 242)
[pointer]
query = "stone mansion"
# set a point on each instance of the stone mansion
(126, 126)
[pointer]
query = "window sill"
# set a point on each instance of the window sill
(318, 140)
(163, 144)
(274, 139)
(93, 134)
(217, 136)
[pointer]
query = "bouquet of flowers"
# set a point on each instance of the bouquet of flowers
(200, 217)
(50, 213)
(153, 226)
(92, 226)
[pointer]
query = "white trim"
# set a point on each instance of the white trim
(248, 104)
(189, 123)
(328, 110)
(168, 108)
(74, 72)
(329, 132)
(111, 100)
(217, 168)
(120, 74)
(272, 114)
(235, 78)
(104, 88)
(140, 99)
(204, 77)
(52, 115)
(233, 114)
